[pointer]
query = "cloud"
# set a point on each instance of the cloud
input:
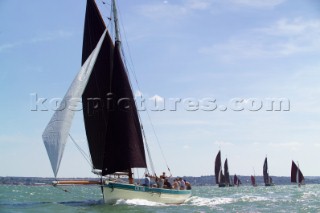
(60, 34)
(18, 138)
(223, 143)
(198, 4)
(172, 10)
(293, 146)
(159, 11)
(186, 147)
(294, 27)
(317, 145)
(256, 143)
(286, 144)
(10, 138)
(283, 38)
(169, 11)
(258, 3)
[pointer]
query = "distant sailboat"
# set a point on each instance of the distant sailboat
(114, 132)
(226, 173)
(253, 180)
(267, 179)
(236, 180)
(220, 179)
(296, 174)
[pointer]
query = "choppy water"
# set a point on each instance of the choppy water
(205, 199)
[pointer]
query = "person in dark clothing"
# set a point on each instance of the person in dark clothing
(167, 184)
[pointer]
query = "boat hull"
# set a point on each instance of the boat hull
(269, 184)
(222, 185)
(113, 191)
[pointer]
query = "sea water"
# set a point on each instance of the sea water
(285, 198)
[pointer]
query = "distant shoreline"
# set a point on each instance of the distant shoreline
(208, 180)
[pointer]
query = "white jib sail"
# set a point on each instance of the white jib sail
(56, 133)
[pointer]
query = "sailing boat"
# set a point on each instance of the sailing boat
(236, 180)
(296, 174)
(226, 173)
(267, 179)
(113, 129)
(253, 180)
(220, 179)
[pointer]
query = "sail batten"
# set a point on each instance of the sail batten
(56, 132)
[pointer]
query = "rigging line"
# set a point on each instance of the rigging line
(129, 53)
(138, 175)
(136, 80)
(128, 47)
(111, 22)
(128, 75)
(154, 132)
(78, 146)
(146, 171)
(118, 44)
(148, 151)
(109, 18)
(82, 152)
(124, 56)
(106, 3)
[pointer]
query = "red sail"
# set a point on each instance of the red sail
(235, 180)
(253, 180)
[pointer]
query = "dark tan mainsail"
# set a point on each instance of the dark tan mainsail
(218, 169)
(111, 119)
(296, 174)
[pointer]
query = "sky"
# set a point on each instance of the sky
(224, 61)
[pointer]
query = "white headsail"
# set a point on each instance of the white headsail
(56, 133)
